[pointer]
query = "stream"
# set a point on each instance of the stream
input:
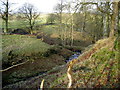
(74, 56)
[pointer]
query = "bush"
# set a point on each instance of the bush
(19, 31)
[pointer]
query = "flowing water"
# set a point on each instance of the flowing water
(74, 56)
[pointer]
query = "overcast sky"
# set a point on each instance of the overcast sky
(45, 6)
(42, 5)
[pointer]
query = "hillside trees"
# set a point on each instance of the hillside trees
(96, 19)
(110, 13)
(107, 13)
(30, 14)
(88, 20)
(68, 36)
(59, 8)
(65, 11)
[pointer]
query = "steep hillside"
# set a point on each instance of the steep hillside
(97, 67)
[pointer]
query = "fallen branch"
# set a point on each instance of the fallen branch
(13, 66)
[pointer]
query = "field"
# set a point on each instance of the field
(23, 44)
(15, 23)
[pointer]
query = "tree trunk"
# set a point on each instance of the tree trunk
(105, 27)
(114, 20)
(6, 25)
(72, 28)
(3, 27)
(106, 21)
(31, 27)
(84, 23)
(6, 17)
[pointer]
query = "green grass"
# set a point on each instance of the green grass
(50, 29)
(22, 45)
(18, 24)
(13, 24)
(22, 23)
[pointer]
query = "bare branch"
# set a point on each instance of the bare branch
(98, 8)
(30, 13)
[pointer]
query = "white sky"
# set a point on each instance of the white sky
(45, 6)
(42, 5)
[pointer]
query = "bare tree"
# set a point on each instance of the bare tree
(72, 10)
(30, 13)
(59, 8)
(4, 11)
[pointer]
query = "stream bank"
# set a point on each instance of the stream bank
(54, 57)
(55, 72)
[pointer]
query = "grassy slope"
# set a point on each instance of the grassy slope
(21, 45)
(97, 67)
